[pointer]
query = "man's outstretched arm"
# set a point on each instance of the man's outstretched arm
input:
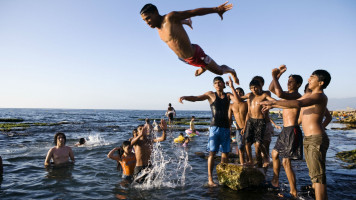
(194, 98)
(181, 15)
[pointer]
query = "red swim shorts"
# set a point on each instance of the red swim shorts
(200, 59)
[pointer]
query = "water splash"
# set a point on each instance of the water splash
(166, 171)
(94, 140)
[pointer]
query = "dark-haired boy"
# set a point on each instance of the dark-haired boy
(219, 127)
(171, 31)
(239, 109)
(316, 142)
(60, 154)
(255, 126)
(289, 143)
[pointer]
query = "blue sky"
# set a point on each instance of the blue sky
(101, 55)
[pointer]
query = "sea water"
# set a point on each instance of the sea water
(177, 172)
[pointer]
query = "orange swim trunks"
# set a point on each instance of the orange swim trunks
(200, 59)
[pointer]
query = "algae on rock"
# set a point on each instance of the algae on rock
(238, 177)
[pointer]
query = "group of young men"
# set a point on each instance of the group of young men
(252, 120)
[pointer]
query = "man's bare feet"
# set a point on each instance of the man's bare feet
(199, 71)
(212, 184)
(265, 164)
(274, 182)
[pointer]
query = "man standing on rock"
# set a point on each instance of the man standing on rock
(219, 127)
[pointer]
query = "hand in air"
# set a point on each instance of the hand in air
(223, 8)
(190, 23)
(163, 125)
(181, 100)
(230, 83)
(282, 69)
(275, 72)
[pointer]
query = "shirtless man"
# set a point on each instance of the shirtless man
(289, 143)
(267, 138)
(142, 143)
(255, 125)
(60, 154)
(327, 116)
(171, 31)
(239, 109)
(316, 142)
(219, 127)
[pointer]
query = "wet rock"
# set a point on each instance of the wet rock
(238, 177)
(349, 157)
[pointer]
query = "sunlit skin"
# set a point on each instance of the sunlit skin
(290, 118)
(210, 96)
(60, 154)
(170, 30)
(312, 116)
(255, 111)
(142, 143)
(239, 109)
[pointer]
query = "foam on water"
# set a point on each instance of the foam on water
(94, 140)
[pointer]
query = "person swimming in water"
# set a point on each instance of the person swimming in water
(124, 158)
(171, 31)
(81, 142)
(61, 153)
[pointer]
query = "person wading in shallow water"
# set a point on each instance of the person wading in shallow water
(142, 143)
(60, 154)
(170, 113)
(171, 31)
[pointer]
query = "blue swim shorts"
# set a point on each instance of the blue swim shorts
(240, 140)
(219, 136)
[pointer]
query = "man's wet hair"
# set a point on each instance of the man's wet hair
(56, 136)
(81, 141)
(324, 76)
(193, 117)
(297, 78)
(148, 8)
(134, 132)
(147, 120)
(240, 90)
(259, 79)
(218, 78)
(255, 82)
